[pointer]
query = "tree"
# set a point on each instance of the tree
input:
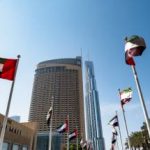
(136, 139)
(139, 139)
(146, 142)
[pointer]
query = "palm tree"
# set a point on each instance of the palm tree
(139, 139)
(146, 142)
(136, 140)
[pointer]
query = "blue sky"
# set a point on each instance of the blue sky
(41, 30)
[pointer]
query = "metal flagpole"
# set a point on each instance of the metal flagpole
(82, 141)
(126, 128)
(8, 106)
(82, 147)
(123, 111)
(77, 142)
(141, 98)
(51, 122)
(117, 144)
(68, 133)
(119, 132)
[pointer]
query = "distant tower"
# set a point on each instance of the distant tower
(15, 118)
(93, 116)
(61, 79)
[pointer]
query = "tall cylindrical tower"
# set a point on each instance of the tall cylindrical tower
(61, 79)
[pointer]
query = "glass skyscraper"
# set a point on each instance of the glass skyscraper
(93, 116)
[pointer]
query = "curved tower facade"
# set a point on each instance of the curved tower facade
(93, 116)
(61, 79)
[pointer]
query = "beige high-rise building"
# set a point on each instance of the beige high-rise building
(61, 79)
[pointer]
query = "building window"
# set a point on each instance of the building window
(15, 147)
(24, 148)
(5, 146)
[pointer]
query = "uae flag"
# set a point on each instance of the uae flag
(114, 121)
(112, 147)
(114, 139)
(7, 68)
(63, 128)
(134, 46)
(126, 96)
(114, 131)
(73, 135)
(49, 116)
(83, 143)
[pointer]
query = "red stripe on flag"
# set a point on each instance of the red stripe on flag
(9, 69)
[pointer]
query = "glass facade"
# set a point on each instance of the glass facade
(15, 147)
(8, 146)
(93, 117)
(43, 141)
(24, 148)
(5, 146)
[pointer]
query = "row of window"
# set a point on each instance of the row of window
(6, 146)
(12, 129)
(53, 69)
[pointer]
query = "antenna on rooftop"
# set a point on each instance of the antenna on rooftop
(88, 55)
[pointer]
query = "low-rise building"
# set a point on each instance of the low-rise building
(19, 136)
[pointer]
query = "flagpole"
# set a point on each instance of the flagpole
(117, 144)
(127, 131)
(120, 132)
(50, 130)
(77, 141)
(68, 133)
(112, 147)
(123, 111)
(82, 140)
(8, 107)
(141, 98)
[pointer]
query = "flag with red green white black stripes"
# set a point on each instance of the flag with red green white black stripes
(7, 68)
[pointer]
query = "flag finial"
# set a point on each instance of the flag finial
(18, 56)
(125, 39)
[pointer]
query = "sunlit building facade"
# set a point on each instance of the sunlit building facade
(93, 116)
(61, 79)
(19, 136)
